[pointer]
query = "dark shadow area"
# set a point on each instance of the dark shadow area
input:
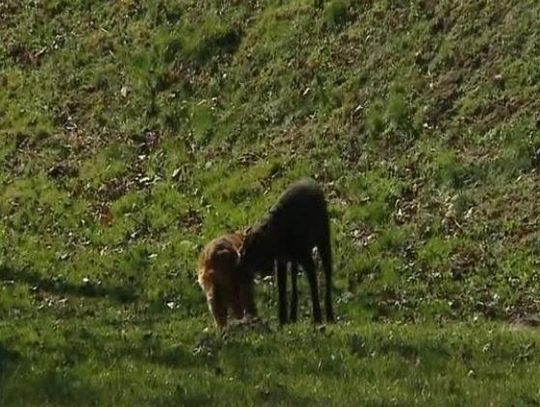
(8, 360)
(60, 286)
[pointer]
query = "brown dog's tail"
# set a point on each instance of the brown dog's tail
(221, 264)
(217, 261)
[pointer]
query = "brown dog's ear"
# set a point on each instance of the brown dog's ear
(247, 230)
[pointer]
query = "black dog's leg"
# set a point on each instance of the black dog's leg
(294, 296)
(325, 251)
(309, 267)
(282, 289)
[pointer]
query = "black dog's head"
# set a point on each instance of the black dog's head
(258, 249)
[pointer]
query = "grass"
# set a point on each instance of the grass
(160, 359)
(132, 134)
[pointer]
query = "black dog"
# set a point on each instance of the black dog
(296, 224)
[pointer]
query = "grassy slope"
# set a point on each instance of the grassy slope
(132, 134)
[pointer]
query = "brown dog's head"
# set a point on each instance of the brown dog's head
(257, 249)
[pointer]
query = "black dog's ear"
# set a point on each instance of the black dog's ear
(241, 248)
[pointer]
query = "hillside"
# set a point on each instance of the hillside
(131, 134)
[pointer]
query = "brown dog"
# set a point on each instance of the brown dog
(226, 285)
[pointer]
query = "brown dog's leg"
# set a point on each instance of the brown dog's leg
(309, 267)
(237, 303)
(248, 298)
(294, 295)
(282, 290)
(218, 308)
